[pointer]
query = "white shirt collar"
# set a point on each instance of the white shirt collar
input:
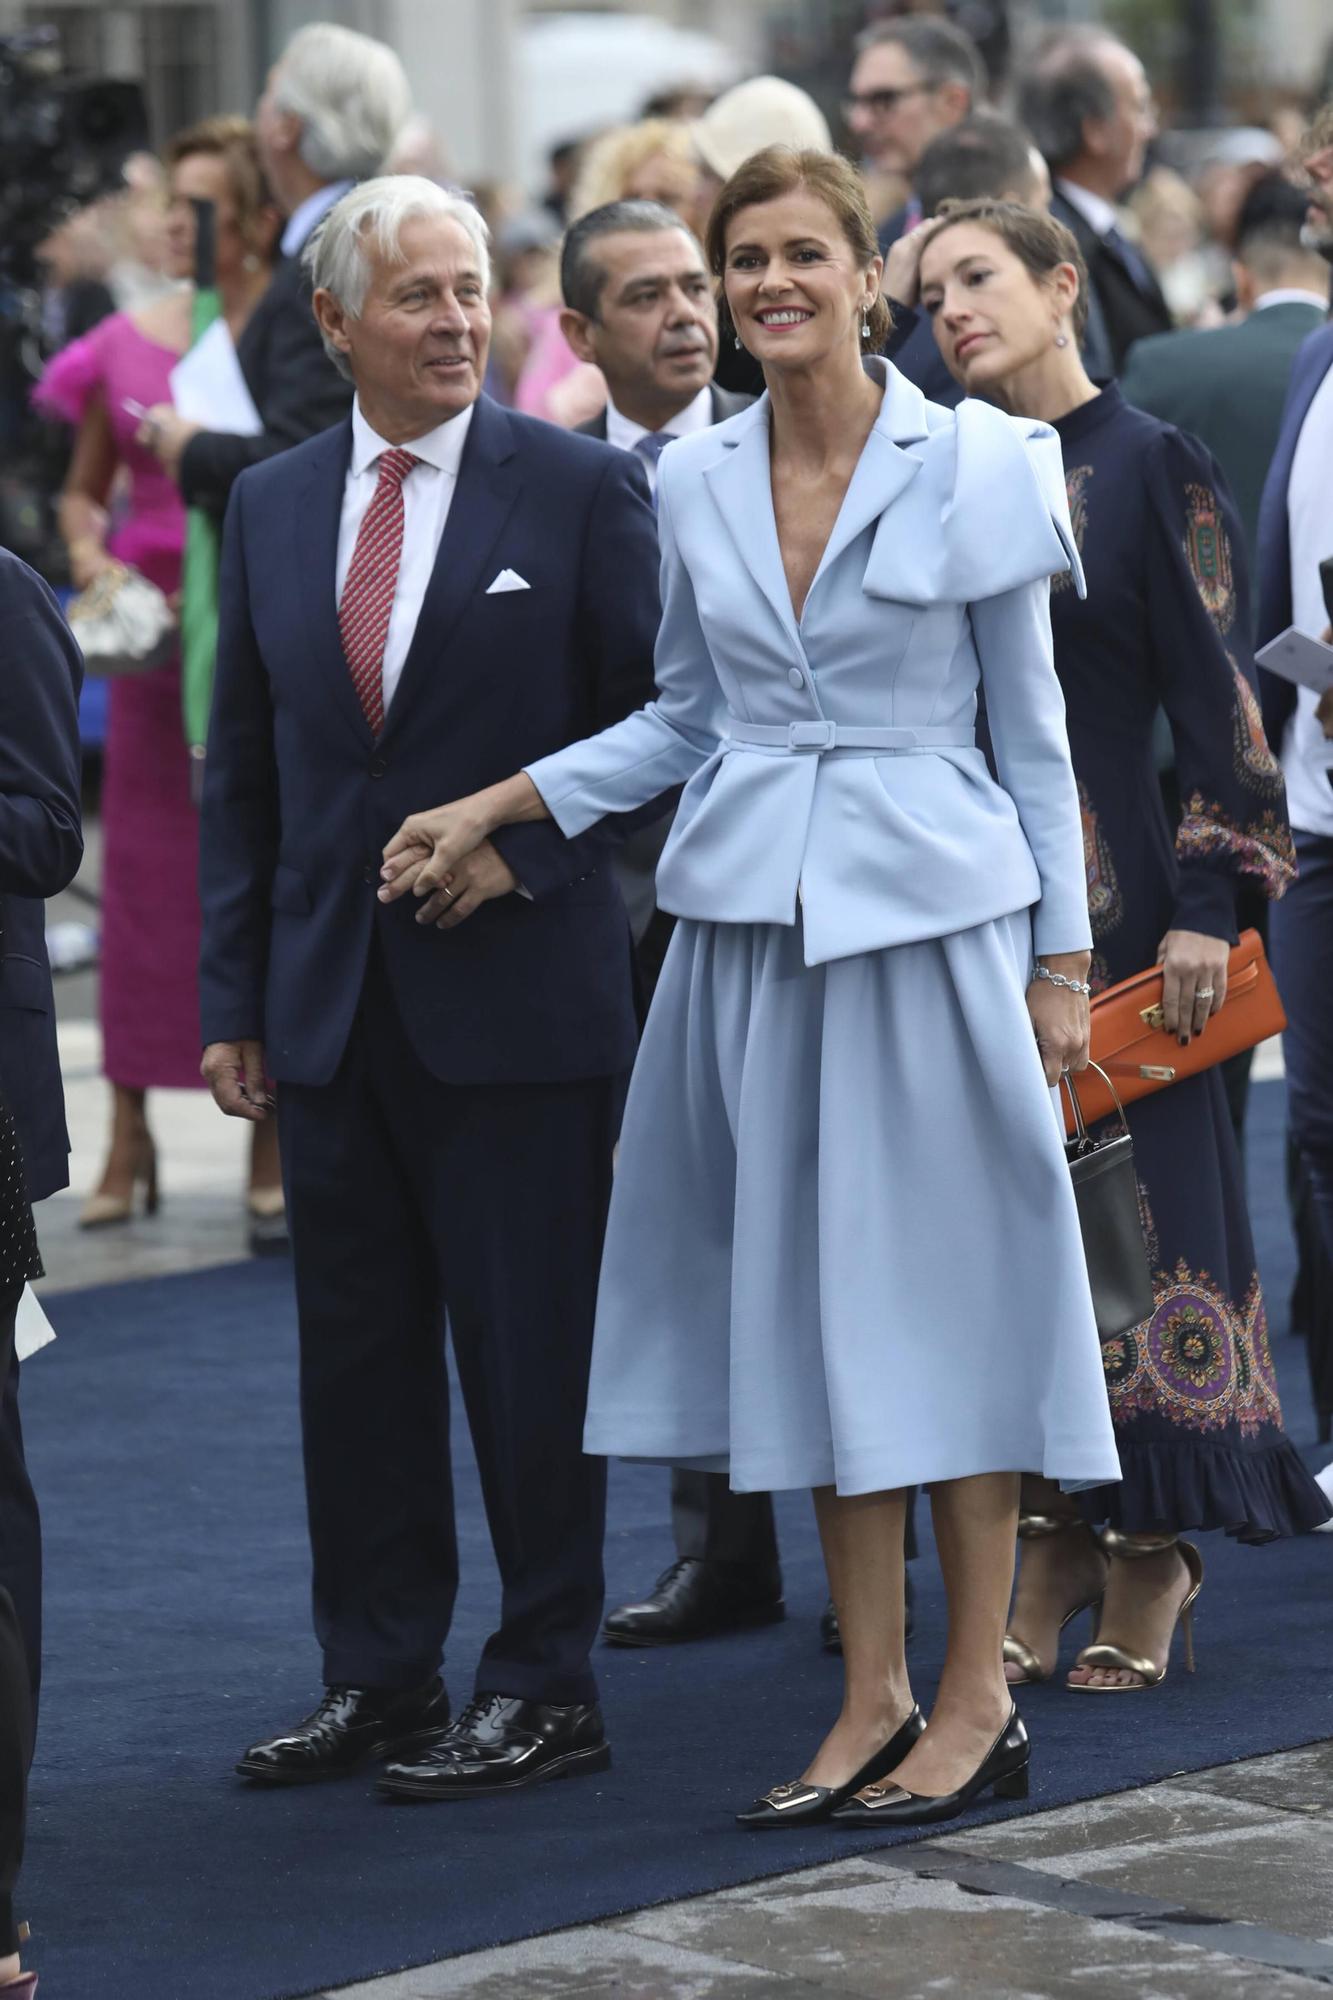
(696, 416)
(442, 447)
(306, 217)
(1099, 214)
(1289, 295)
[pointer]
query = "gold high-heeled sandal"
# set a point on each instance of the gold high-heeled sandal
(1130, 1548)
(1017, 1652)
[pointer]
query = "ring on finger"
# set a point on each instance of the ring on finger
(1203, 993)
(450, 893)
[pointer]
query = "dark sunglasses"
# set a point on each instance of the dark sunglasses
(881, 100)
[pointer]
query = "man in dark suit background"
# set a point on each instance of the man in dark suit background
(1295, 539)
(983, 154)
(1228, 384)
(639, 303)
(912, 77)
(334, 104)
(1088, 105)
(41, 845)
(413, 604)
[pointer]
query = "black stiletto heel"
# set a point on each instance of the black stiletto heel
(1003, 1770)
(800, 1804)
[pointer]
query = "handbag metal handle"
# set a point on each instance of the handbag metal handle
(1080, 1128)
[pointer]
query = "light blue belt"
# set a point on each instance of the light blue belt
(822, 736)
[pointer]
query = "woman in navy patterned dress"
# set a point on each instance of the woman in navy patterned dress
(1165, 625)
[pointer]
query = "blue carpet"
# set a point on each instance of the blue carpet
(162, 1435)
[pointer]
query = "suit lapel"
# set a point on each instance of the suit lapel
(741, 484)
(316, 534)
(1312, 364)
(488, 485)
(742, 488)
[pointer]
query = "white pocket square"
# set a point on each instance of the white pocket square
(508, 579)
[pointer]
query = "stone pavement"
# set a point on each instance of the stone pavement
(1215, 1884)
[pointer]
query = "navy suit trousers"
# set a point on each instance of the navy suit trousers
(409, 1200)
(20, 1524)
(1300, 929)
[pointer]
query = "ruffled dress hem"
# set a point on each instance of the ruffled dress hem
(1186, 1484)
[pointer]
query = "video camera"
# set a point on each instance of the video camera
(63, 141)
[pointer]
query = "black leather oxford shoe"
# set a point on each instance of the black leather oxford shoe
(352, 1726)
(830, 1633)
(695, 1599)
(500, 1743)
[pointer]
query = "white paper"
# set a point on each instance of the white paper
(32, 1329)
(207, 386)
(1298, 658)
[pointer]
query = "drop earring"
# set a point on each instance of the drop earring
(865, 325)
(738, 340)
(1062, 340)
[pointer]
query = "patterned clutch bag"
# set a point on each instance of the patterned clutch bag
(1131, 1044)
(123, 623)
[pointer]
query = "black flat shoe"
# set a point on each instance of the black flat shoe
(352, 1726)
(830, 1632)
(501, 1743)
(1003, 1770)
(695, 1599)
(802, 1804)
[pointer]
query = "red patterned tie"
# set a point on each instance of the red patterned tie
(367, 600)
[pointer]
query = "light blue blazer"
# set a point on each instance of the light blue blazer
(832, 763)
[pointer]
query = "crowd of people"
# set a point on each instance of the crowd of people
(726, 664)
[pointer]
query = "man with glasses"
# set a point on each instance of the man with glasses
(912, 78)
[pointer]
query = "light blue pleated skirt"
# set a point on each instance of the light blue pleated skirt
(843, 1248)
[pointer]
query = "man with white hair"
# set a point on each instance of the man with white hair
(433, 592)
(333, 108)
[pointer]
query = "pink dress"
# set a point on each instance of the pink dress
(150, 830)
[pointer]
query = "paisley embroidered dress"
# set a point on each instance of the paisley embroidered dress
(1165, 624)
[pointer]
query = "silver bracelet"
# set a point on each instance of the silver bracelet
(1058, 979)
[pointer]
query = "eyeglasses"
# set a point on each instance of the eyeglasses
(880, 101)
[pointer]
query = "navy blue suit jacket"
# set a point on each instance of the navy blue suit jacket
(299, 797)
(1313, 361)
(41, 845)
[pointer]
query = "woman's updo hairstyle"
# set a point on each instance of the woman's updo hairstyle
(1039, 242)
(231, 139)
(781, 170)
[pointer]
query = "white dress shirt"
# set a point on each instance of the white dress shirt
(623, 432)
(428, 492)
(305, 219)
(1100, 214)
(1307, 754)
(1289, 295)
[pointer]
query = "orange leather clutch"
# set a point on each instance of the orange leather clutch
(1130, 1043)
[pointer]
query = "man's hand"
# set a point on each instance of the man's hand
(166, 435)
(1324, 712)
(429, 846)
(234, 1072)
(481, 876)
(1194, 980)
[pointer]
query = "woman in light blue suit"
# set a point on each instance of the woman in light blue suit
(843, 1251)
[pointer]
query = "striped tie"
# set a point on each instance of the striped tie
(367, 600)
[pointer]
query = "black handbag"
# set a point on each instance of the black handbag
(1107, 1194)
